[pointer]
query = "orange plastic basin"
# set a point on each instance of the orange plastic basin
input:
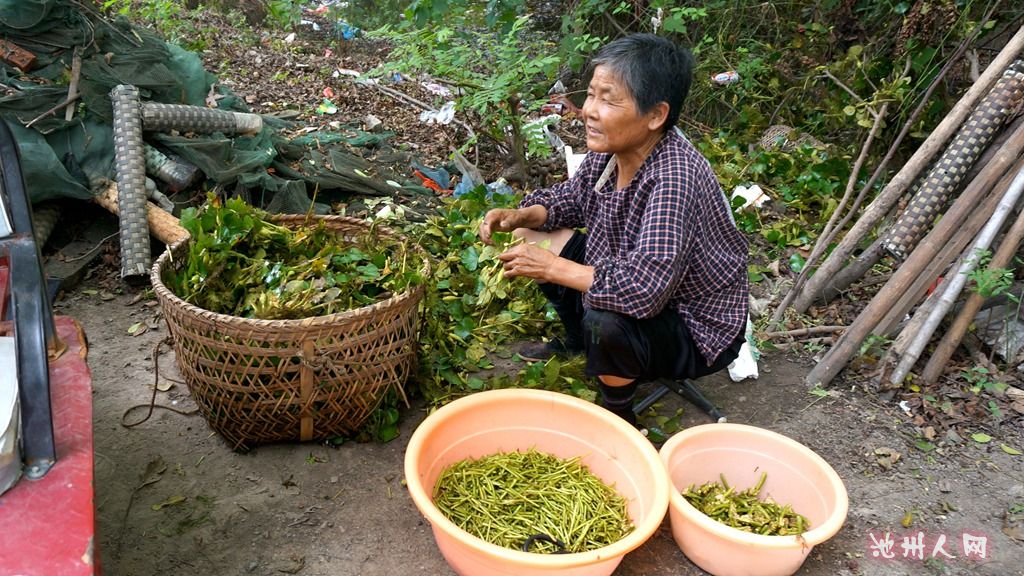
(796, 476)
(508, 420)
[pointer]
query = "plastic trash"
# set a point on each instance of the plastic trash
(657, 20)
(346, 31)
(464, 187)
(552, 108)
(443, 116)
(437, 175)
(471, 176)
(557, 88)
(372, 123)
(573, 161)
(752, 196)
(545, 125)
(499, 186)
(1000, 327)
(745, 365)
(437, 89)
(326, 107)
(726, 78)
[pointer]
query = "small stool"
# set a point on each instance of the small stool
(687, 389)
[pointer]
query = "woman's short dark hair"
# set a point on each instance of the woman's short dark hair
(652, 68)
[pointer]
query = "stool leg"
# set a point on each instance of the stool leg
(650, 399)
(688, 390)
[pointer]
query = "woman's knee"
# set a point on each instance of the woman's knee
(605, 330)
(523, 233)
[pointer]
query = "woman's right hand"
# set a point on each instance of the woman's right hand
(500, 220)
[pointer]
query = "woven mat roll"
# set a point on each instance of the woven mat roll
(131, 177)
(933, 192)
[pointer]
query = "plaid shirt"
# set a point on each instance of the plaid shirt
(668, 239)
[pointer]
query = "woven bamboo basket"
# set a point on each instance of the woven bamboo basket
(258, 381)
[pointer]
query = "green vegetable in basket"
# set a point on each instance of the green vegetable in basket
(744, 510)
(533, 500)
(240, 264)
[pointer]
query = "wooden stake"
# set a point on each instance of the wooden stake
(162, 224)
(848, 344)
(798, 332)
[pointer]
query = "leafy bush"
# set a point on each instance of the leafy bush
(500, 75)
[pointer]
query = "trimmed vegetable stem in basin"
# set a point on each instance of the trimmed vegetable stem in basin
(558, 424)
(793, 475)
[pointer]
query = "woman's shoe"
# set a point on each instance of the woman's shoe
(544, 351)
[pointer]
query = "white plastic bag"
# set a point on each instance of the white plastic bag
(443, 116)
(752, 196)
(745, 365)
(573, 161)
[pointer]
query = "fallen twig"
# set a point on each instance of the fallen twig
(133, 41)
(796, 333)
(845, 88)
(403, 96)
(53, 110)
(76, 73)
(817, 341)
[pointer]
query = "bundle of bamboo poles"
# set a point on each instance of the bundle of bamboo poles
(945, 257)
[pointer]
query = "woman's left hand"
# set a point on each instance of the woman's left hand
(529, 261)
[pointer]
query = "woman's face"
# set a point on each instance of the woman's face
(613, 124)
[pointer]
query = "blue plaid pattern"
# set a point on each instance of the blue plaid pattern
(668, 239)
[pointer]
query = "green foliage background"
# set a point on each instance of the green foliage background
(824, 68)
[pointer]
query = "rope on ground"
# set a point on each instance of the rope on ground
(152, 401)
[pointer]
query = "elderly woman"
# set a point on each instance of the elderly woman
(656, 287)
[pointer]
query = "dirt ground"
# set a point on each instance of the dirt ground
(173, 498)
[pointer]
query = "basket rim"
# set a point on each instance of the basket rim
(164, 293)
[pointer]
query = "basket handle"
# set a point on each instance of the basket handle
(306, 390)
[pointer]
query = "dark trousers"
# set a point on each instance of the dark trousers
(641, 349)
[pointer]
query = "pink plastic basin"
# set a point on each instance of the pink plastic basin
(507, 420)
(796, 476)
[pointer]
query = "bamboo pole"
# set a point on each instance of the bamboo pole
(955, 284)
(847, 344)
(951, 251)
(163, 225)
(951, 339)
(899, 183)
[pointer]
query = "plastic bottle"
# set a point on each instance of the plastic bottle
(726, 78)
